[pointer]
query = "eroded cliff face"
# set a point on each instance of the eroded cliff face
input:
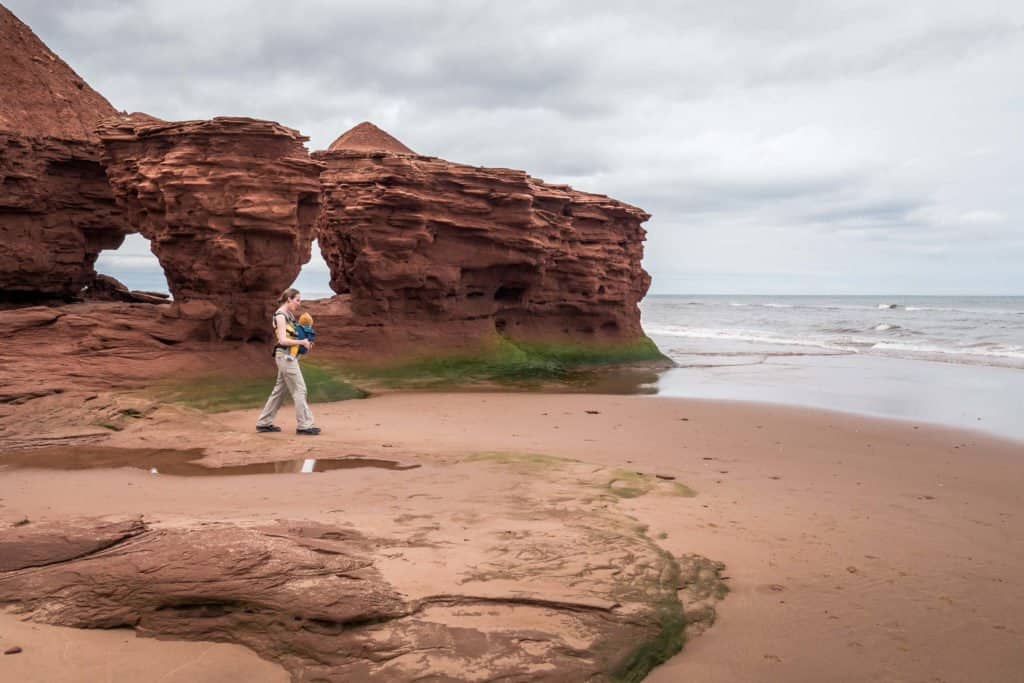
(228, 205)
(418, 239)
(57, 213)
(56, 209)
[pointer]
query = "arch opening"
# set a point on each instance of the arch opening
(131, 273)
(314, 279)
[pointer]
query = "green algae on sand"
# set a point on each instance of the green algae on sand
(515, 364)
(511, 362)
(670, 620)
(531, 462)
(216, 393)
(631, 484)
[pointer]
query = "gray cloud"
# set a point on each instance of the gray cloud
(884, 214)
(813, 147)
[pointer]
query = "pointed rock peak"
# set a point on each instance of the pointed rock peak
(42, 95)
(367, 137)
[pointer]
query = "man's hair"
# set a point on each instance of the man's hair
(287, 295)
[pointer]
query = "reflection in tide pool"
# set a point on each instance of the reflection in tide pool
(179, 463)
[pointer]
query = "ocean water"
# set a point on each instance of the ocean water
(971, 330)
(143, 279)
(957, 361)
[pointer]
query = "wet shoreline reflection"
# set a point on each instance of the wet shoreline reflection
(179, 463)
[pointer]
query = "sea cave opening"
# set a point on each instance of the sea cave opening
(314, 278)
(134, 265)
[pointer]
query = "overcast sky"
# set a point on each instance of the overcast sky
(782, 147)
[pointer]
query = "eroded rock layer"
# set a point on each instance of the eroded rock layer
(57, 213)
(56, 209)
(421, 239)
(107, 288)
(319, 600)
(228, 205)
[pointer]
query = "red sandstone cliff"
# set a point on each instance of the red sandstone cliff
(431, 253)
(56, 209)
(418, 239)
(42, 95)
(228, 206)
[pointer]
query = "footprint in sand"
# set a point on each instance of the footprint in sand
(770, 588)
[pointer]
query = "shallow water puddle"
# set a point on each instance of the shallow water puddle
(180, 463)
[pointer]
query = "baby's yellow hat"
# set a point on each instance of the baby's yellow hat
(306, 319)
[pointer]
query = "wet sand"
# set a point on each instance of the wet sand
(858, 549)
(962, 395)
(55, 654)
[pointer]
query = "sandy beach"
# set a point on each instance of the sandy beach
(856, 549)
(642, 343)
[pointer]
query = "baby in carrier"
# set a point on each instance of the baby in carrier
(303, 330)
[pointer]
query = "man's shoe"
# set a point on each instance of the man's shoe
(267, 428)
(310, 431)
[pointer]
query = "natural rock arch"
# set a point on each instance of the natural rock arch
(229, 205)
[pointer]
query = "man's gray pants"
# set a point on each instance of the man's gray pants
(290, 380)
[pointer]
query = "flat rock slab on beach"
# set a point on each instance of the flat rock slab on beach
(552, 583)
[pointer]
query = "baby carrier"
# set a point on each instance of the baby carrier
(295, 329)
(303, 330)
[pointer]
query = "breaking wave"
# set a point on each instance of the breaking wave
(1011, 351)
(740, 336)
(965, 330)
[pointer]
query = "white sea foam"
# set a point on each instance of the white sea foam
(753, 336)
(973, 311)
(965, 330)
(848, 344)
(994, 351)
(740, 304)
